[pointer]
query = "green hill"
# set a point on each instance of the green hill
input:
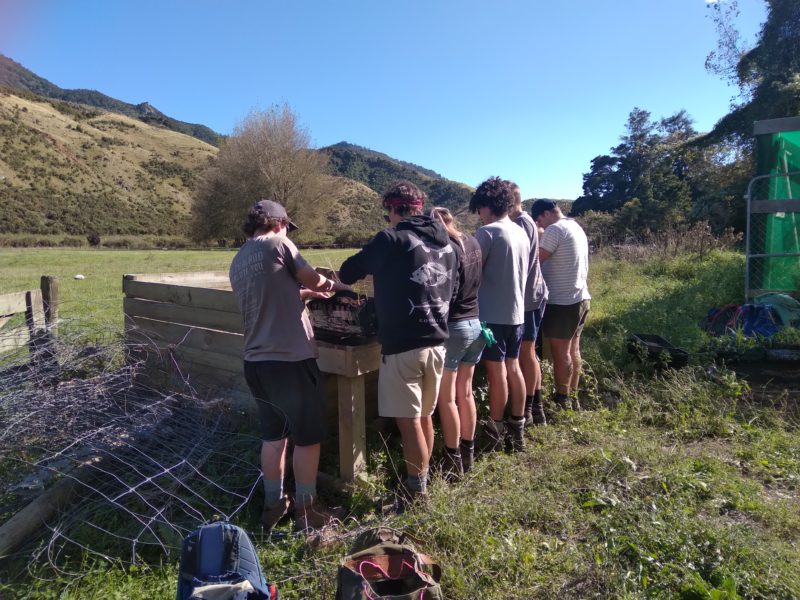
(378, 171)
(18, 80)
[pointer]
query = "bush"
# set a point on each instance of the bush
(93, 239)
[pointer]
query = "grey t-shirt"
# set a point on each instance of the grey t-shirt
(276, 325)
(535, 287)
(505, 249)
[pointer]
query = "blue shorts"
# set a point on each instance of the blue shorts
(533, 320)
(465, 344)
(509, 340)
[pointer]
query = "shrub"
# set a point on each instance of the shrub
(93, 239)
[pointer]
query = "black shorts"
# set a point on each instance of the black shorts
(563, 322)
(290, 398)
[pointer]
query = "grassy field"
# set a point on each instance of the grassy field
(672, 484)
(94, 304)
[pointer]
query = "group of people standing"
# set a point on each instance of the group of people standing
(445, 300)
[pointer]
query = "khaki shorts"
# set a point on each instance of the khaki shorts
(564, 322)
(408, 382)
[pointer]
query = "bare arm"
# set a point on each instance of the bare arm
(315, 282)
(544, 254)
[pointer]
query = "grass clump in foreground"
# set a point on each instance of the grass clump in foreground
(672, 484)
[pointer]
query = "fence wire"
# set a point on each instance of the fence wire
(132, 469)
(773, 241)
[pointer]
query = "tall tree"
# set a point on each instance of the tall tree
(268, 155)
(768, 75)
(645, 177)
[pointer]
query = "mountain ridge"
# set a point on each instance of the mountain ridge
(16, 78)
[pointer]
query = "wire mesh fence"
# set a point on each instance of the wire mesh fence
(118, 469)
(773, 234)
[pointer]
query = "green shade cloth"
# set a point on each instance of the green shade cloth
(779, 155)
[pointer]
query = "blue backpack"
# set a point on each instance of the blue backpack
(222, 554)
(758, 320)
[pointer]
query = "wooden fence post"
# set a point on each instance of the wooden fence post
(50, 299)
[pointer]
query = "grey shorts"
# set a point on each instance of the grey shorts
(563, 322)
(290, 398)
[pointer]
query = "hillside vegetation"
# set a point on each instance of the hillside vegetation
(72, 169)
(14, 76)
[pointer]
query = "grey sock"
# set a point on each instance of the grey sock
(305, 494)
(273, 491)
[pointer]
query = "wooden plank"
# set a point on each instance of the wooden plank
(187, 315)
(11, 304)
(13, 339)
(200, 358)
(21, 527)
(51, 298)
(34, 312)
(352, 427)
(182, 295)
(199, 338)
(350, 361)
(186, 278)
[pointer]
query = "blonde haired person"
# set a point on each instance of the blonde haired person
(462, 352)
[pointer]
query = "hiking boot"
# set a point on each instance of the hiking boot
(516, 434)
(272, 515)
(313, 516)
(493, 440)
(562, 402)
(537, 414)
(452, 467)
(467, 457)
(528, 411)
(576, 403)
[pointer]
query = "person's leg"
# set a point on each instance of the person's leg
(562, 364)
(467, 414)
(465, 401)
(448, 410)
(516, 387)
(577, 362)
(498, 388)
(426, 423)
(415, 451)
(529, 365)
(306, 463)
(273, 459)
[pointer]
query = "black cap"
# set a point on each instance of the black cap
(541, 206)
(272, 210)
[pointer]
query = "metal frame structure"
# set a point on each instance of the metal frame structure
(766, 206)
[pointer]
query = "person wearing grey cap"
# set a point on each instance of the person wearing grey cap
(280, 359)
(564, 254)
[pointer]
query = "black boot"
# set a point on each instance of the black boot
(529, 420)
(537, 410)
(516, 430)
(467, 450)
(452, 466)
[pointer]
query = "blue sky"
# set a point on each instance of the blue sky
(528, 90)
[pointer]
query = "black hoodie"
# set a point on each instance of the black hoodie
(415, 276)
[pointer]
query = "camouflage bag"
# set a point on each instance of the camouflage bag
(385, 564)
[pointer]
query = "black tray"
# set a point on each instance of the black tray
(657, 350)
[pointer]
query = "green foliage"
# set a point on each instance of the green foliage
(378, 171)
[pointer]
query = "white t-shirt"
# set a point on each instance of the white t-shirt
(566, 270)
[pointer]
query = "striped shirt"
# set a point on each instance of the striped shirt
(568, 266)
